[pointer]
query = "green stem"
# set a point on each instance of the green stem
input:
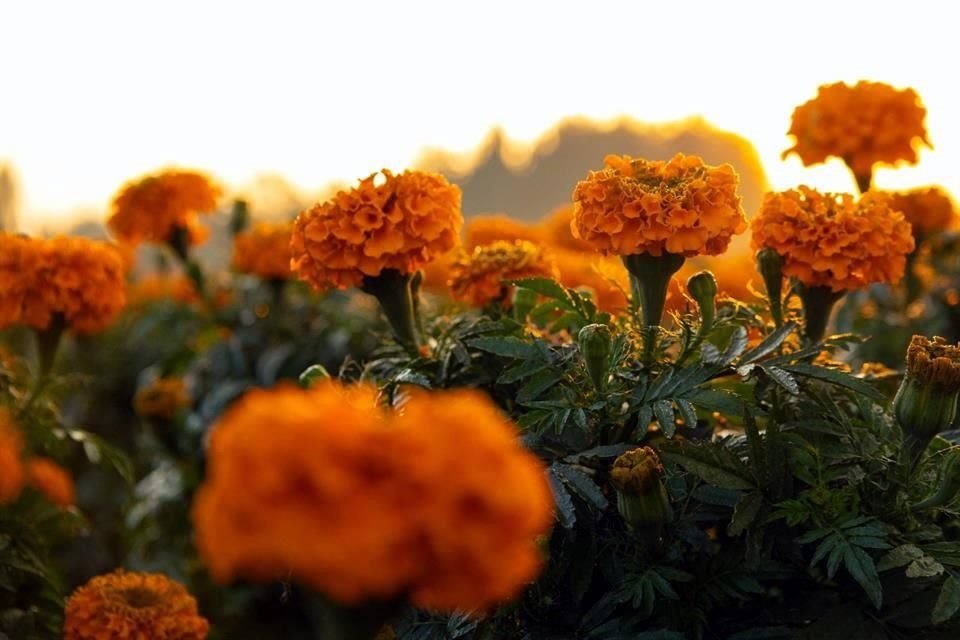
(394, 292)
(47, 344)
(818, 303)
(179, 242)
(649, 281)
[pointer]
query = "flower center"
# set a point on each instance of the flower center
(140, 597)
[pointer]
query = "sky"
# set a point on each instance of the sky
(93, 93)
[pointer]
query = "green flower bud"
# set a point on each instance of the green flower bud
(642, 497)
(524, 300)
(239, 217)
(949, 484)
(770, 266)
(703, 288)
(312, 375)
(594, 341)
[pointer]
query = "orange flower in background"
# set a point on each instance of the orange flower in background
(604, 277)
(555, 230)
(52, 480)
(391, 510)
(487, 229)
(264, 250)
(863, 124)
(477, 277)
(78, 279)
(927, 210)
(133, 606)
(833, 240)
(735, 272)
(680, 206)
(407, 221)
(162, 398)
(11, 459)
(162, 288)
(152, 208)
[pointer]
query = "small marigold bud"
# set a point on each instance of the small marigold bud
(594, 341)
(703, 288)
(926, 402)
(642, 500)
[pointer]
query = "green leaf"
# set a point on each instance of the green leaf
(687, 412)
(714, 400)
(710, 462)
(769, 344)
(745, 512)
(663, 409)
(523, 370)
(539, 383)
(837, 378)
(948, 602)
(738, 342)
(509, 347)
(409, 376)
(546, 287)
(899, 557)
(582, 484)
(782, 378)
(566, 513)
(864, 571)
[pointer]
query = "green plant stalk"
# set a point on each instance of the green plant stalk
(179, 243)
(649, 280)
(770, 266)
(394, 291)
(364, 622)
(818, 303)
(47, 343)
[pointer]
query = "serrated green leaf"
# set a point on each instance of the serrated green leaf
(782, 378)
(948, 602)
(736, 346)
(837, 378)
(663, 409)
(523, 370)
(582, 484)
(710, 462)
(546, 287)
(864, 571)
(687, 412)
(745, 512)
(508, 347)
(769, 344)
(899, 557)
(566, 513)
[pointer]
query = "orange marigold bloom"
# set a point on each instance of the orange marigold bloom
(478, 277)
(680, 206)
(487, 229)
(133, 606)
(78, 279)
(11, 459)
(162, 398)
(605, 277)
(52, 480)
(403, 223)
(556, 231)
(391, 509)
(152, 208)
(863, 124)
(264, 250)
(833, 240)
(927, 210)
(159, 287)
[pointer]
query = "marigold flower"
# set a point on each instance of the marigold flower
(603, 276)
(487, 229)
(478, 277)
(160, 288)
(391, 509)
(680, 206)
(264, 250)
(52, 480)
(927, 210)
(402, 224)
(926, 402)
(556, 230)
(11, 459)
(78, 279)
(833, 240)
(642, 498)
(154, 207)
(133, 606)
(162, 398)
(863, 124)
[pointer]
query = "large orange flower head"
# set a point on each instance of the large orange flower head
(162, 398)
(392, 509)
(400, 222)
(679, 206)
(478, 277)
(133, 606)
(78, 279)
(11, 459)
(52, 480)
(264, 250)
(153, 207)
(863, 124)
(834, 240)
(487, 229)
(927, 210)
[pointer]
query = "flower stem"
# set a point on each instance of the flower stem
(47, 345)
(394, 291)
(335, 622)
(649, 280)
(818, 303)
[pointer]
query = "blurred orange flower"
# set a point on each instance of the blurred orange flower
(153, 207)
(78, 279)
(863, 124)
(52, 480)
(264, 250)
(133, 606)
(833, 240)
(477, 277)
(160, 288)
(390, 510)
(605, 277)
(11, 459)
(556, 231)
(162, 398)
(487, 229)
(927, 210)
(402, 224)
(680, 206)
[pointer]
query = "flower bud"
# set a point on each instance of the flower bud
(703, 288)
(239, 216)
(642, 500)
(312, 375)
(594, 341)
(770, 266)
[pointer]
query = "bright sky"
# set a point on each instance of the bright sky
(95, 92)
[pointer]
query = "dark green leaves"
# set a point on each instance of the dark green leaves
(845, 544)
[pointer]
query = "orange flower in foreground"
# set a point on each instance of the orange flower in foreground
(52, 480)
(402, 224)
(833, 240)
(478, 277)
(863, 124)
(264, 250)
(394, 509)
(163, 288)
(555, 230)
(154, 207)
(605, 277)
(162, 398)
(11, 459)
(133, 606)
(79, 279)
(680, 206)
(487, 229)
(927, 210)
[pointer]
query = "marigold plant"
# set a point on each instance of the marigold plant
(863, 125)
(834, 240)
(162, 398)
(478, 277)
(400, 223)
(264, 250)
(11, 459)
(52, 480)
(155, 207)
(680, 206)
(927, 210)
(133, 606)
